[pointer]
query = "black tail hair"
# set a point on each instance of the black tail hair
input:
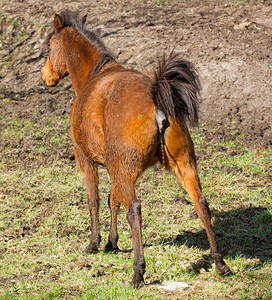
(176, 88)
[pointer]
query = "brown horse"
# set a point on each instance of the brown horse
(127, 120)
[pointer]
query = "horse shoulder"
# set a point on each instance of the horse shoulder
(87, 122)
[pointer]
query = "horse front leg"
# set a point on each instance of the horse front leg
(113, 236)
(90, 174)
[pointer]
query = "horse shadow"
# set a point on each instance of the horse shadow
(240, 232)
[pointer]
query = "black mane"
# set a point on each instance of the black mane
(71, 19)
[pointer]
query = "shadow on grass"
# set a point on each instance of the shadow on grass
(243, 231)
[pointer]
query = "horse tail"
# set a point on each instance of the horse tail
(176, 88)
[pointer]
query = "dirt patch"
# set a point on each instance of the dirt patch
(230, 43)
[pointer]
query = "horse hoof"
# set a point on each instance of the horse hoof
(90, 249)
(110, 248)
(223, 270)
(220, 266)
(137, 281)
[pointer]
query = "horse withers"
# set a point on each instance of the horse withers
(126, 121)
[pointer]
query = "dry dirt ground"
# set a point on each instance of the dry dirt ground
(229, 41)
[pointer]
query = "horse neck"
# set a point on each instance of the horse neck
(82, 57)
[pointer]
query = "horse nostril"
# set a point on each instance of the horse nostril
(51, 81)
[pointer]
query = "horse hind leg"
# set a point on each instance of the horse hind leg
(188, 176)
(90, 174)
(182, 162)
(124, 193)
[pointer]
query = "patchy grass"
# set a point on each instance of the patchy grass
(44, 222)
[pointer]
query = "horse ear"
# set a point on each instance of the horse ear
(58, 23)
(84, 19)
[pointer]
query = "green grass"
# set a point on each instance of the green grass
(44, 222)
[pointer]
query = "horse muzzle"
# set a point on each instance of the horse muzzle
(51, 79)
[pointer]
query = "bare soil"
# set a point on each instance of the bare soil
(230, 42)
